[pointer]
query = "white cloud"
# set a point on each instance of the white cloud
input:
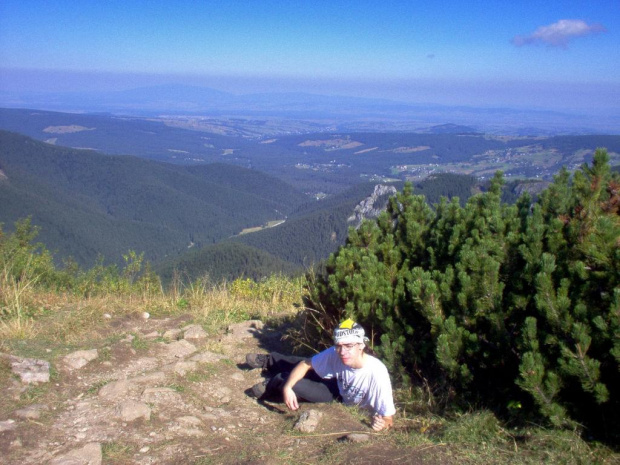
(560, 33)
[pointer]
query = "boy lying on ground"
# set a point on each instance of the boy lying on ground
(346, 372)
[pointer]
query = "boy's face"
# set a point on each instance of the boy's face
(350, 354)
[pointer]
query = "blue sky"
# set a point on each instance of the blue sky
(553, 54)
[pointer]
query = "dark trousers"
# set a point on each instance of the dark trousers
(312, 388)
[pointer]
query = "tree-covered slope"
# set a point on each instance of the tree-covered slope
(312, 232)
(225, 261)
(308, 236)
(92, 204)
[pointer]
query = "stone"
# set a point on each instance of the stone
(179, 349)
(195, 333)
(90, 454)
(245, 329)
(357, 437)
(30, 370)
(150, 378)
(207, 357)
(182, 368)
(131, 410)
(7, 425)
(222, 392)
(32, 412)
(237, 377)
(141, 365)
(173, 334)
(161, 395)
(114, 390)
(308, 421)
(79, 359)
(190, 420)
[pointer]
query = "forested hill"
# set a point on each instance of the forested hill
(308, 236)
(87, 204)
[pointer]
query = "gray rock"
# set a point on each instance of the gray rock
(114, 390)
(190, 420)
(79, 359)
(245, 329)
(131, 410)
(141, 365)
(7, 425)
(30, 370)
(357, 437)
(195, 333)
(90, 454)
(150, 378)
(161, 395)
(182, 368)
(207, 357)
(370, 207)
(237, 377)
(173, 334)
(308, 421)
(179, 349)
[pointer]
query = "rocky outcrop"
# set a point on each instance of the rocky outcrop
(532, 187)
(371, 206)
(29, 370)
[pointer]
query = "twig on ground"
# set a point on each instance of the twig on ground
(341, 433)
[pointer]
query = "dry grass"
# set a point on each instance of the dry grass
(69, 319)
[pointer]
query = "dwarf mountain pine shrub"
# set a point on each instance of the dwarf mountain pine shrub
(512, 307)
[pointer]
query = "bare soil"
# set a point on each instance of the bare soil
(150, 399)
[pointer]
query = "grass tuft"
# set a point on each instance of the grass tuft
(115, 452)
(480, 428)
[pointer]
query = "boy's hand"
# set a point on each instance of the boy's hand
(290, 398)
(380, 423)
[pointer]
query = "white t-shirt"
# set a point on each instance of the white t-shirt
(367, 387)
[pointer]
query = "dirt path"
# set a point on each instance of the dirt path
(166, 392)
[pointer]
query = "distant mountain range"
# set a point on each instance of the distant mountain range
(190, 100)
(316, 158)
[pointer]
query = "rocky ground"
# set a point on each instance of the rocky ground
(163, 391)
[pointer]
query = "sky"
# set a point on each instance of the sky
(556, 54)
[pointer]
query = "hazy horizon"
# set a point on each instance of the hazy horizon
(559, 56)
